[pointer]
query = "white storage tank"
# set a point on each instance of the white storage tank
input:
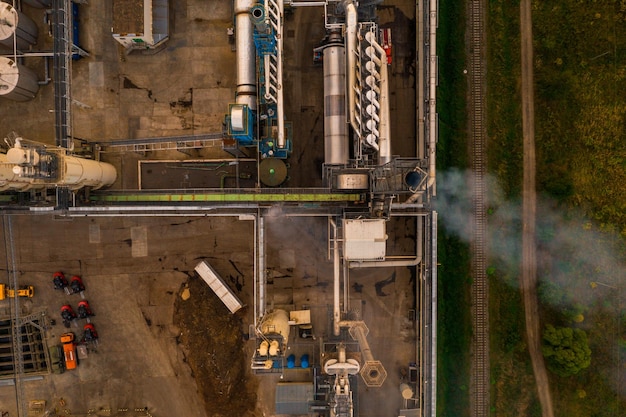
(9, 180)
(17, 82)
(15, 23)
(40, 4)
(80, 172)
(276, 322)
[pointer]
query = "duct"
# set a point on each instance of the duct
(261, 267)
(384, 140)
(280, 112)
(246, 58)
(336, 276)
(432, 97)
(373, 372)
(351, 26)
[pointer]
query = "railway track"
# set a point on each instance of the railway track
(480, 370)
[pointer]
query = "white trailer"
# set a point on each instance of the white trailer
(219, 287)
(140, 24)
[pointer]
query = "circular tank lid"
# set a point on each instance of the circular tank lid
(273, 172)
(9, 75)
(8, 20)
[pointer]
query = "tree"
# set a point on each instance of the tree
(566, 350)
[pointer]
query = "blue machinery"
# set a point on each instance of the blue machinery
(264, 126)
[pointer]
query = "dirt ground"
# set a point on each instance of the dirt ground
(529, 213)
(214, 351)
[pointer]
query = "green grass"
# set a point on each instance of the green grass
(454, 324)
(580, 131)
(454, 327)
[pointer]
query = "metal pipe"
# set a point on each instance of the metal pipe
(46, 76)
(350, 36)
(261, 268)
(336, 275)
(359, 333)
(305, 3)
(280, 110)
(246, 58)
(432, 97)
(384, 139)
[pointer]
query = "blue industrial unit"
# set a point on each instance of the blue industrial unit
(241, 121)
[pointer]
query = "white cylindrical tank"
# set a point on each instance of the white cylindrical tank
(406, 391)
(336, 144)
(9, 180)
(40, 4)
(17, 82)
(15, 23)
(276, 322)
(79, 172)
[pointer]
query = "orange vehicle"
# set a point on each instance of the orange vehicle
(69, 350)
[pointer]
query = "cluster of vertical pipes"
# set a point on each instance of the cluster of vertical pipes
(374, 104)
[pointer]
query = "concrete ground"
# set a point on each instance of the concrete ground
(133, 268)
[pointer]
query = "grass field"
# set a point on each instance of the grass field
(454, 325)
(580, 92)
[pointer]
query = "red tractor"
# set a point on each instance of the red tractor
(84, 310)
(76, 284)
(67, 314)
(59, 280)
(91, 335)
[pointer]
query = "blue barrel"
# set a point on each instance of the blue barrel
(304, 361)
(291, 361)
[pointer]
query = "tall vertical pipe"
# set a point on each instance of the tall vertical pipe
(336, 144)
(351, 26)
(432, 97)
(336, 282)
(246, 57)
(261, 266)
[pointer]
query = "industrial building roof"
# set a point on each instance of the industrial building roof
(293, 397)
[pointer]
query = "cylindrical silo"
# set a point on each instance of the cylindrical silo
(406, 391)
(40, 4)
(80, 172)
(9, 180)
(15, 23)
(336, 144)
(17, 82)
(276, 322)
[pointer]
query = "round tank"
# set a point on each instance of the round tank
(273, 172)
(9, 180)
(291, 361)
(17, 82)
(80, 172)
(406, 391)
(336, 144)
(276, 322)
(15, 23)
(40, 4)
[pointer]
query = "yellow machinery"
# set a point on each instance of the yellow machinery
(22, 291)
